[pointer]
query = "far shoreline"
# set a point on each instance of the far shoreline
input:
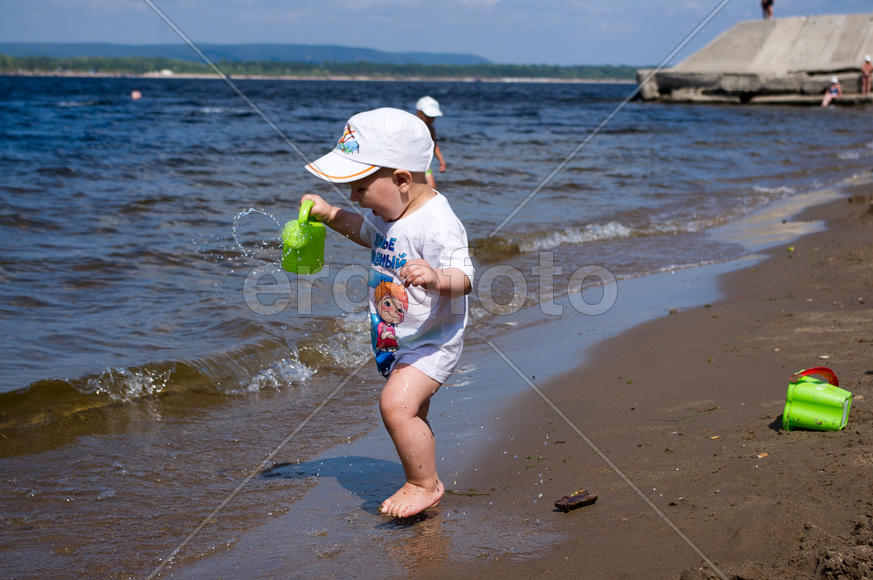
(200, 76)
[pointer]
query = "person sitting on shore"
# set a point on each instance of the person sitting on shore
(833, 92)
(866, 71)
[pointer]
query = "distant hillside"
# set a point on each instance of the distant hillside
(237, 53)
(135, 65)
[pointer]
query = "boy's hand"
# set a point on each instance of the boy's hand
(336, 218)
(419, 273)
(321, 210)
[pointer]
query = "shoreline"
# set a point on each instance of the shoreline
(195, 76)
(505, 456)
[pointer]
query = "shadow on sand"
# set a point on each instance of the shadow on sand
(417, 543)
(372, 480)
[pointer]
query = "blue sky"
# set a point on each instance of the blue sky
(505, 31)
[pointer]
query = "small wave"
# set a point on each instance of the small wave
(851, 154)
(627, 131)
(20, 189)
(214, 183)
(583, 235)
(251, 368)
(50, 400)
(58, 171)
(494, 249)
(25, 301)
(343, 343)
(673, 268)
(468, 183)
(21, 221)
(126, 385)
(780, 191)
(688, 226)
(75, 104)
(285, 371)
(146, 204)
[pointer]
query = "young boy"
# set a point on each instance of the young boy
(420, 274)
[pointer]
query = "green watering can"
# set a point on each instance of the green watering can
(815, 404)
(303, 243)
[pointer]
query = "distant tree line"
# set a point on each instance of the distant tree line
(142, 65)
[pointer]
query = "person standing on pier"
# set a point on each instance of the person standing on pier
(866, 72)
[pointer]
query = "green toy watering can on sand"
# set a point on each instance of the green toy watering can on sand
(815, 404)
(303, 243)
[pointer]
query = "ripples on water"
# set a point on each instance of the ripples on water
(134, 224)
(123, 213)
(131, 227)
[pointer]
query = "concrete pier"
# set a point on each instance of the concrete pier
(778, 61)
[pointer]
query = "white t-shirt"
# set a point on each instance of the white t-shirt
(410, 324)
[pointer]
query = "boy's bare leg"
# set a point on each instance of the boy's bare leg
(404, 405)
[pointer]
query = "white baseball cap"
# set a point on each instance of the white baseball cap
(429, 106)
(835, 80)
(374, 139)
(867, 58)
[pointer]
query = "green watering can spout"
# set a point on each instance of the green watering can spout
(303, 243)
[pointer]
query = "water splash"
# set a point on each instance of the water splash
(129, 384)
(282, 373)
(263, 244)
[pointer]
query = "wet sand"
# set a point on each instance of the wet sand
(684, 409)
(688, 408)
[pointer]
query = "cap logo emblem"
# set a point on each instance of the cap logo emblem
(347, 143)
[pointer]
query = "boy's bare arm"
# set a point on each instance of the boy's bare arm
(449, 282)
(345, 222)
(454, 282)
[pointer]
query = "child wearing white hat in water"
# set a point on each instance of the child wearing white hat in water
(428, 109)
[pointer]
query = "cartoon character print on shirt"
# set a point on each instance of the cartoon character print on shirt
(391, 305)
(389, 302)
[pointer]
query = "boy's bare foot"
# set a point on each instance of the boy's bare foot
(412, 499)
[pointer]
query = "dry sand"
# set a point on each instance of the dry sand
(688, 408)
